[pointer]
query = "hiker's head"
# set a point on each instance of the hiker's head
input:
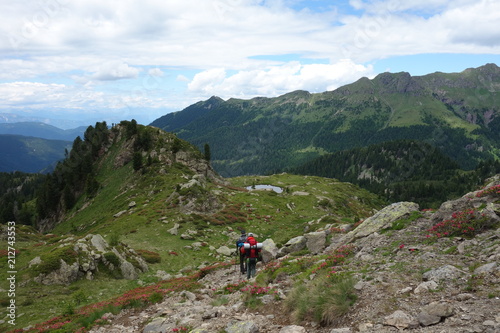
(243, 232)
(250, 234)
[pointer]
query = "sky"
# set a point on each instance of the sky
(93, 60)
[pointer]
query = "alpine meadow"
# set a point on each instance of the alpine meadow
(377, 205)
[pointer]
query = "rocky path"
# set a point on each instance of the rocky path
(205, 310)
(404, 282)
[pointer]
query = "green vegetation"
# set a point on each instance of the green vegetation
(401, 171)
(455, 113)
(163, 193)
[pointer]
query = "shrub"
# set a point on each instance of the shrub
(52, 261)
(325, 299)
(112, 258)
(150, 256)
(464, 223)
(114, 239)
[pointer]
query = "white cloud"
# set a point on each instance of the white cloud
(29, 93)
(100, 48)
(115, 70)
(156, 72)
(278, 79)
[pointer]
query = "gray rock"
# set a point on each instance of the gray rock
(341, 330)
(293, 329)
(187, 236)
(315, 241)
(383, 219)
(128, 270)
(400, 320)
(99, 243)
(174, 230)
(35, 261)
(484, 269)
(120, 213)
(225, 251)
(426, 286)
(65, 275)
(158, 325)
(132, 204)
(439, 309)
(293, 245)
(269, 250)
(447, 272)
(426, 319)
(242, 327)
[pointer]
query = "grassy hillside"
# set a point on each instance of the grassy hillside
(138, 206)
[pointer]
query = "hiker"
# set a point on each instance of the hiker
(239, 245)
(251, 252)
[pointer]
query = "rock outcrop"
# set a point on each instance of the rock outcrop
(76, 259)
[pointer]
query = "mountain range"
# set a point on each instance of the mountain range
(458, 113)
(34, 146)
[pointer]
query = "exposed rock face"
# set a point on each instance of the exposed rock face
(315, 241)
(88, 253)
(269, 250)
(381, 220)
(293, 245)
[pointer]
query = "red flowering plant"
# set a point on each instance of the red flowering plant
(493, 190)
(463, 223)
(333, 260)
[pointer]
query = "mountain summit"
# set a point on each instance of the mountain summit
(455, 112)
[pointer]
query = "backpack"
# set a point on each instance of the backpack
(241, 241)
(253, 249)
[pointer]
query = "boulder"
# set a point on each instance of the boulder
(158, 325)
(242, 327)
(225, 251)
(293, 329)
(66, 274)
(426, 286)
(381, 220)
(293, 245)
(174, 230)
(447, 272)
(315, 241)
(400, 320)
(99, 243)
(269, 250)
(487, 268)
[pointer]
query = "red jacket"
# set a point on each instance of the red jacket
(252, 252)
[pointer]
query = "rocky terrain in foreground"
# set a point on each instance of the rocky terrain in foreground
(407, 278)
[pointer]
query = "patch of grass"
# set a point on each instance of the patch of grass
(223, 300)
(403, 223)
(324, 300)
(52, 261)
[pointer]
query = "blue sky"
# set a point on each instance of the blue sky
(92, 60)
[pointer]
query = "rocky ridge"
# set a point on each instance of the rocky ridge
(405, 281)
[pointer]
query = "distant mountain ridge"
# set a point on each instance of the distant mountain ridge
(455, 112)
(41, 130)
(30, 154)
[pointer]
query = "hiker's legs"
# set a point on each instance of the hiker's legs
(252, 263)
(243, 264)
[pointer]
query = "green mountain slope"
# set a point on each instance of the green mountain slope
(456, 112)
(29, 154)
(401, 170)
(142, 188)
